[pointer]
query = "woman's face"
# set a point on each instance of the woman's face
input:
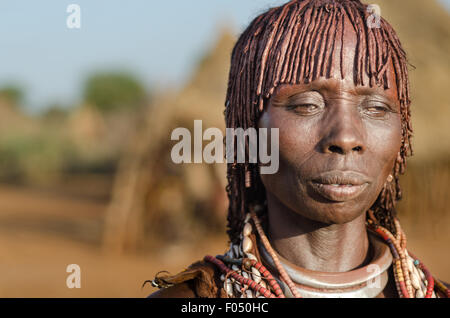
(337, 142)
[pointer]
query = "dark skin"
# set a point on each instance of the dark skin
(329, 126)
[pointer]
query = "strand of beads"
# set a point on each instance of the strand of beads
(441, 287)
(398, 273)
(417, 286)
(239, 278)
(252, 264)
(429, 280)
(399, 268)
(421, 279)
(284, 276)
(412, 277)
(403, 261)
(249, 283)
(415, 278)
(247, 247)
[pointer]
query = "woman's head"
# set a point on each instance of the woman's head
(337, 110)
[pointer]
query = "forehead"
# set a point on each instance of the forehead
(345, 58)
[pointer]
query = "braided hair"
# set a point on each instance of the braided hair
(295, 43)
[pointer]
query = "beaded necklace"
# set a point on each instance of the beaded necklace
(245, 276)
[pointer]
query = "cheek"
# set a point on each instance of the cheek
(384, 145)
(297, 138)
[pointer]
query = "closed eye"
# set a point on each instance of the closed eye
(304, 109)
(377, 111)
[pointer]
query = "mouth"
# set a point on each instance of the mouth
(340, 186)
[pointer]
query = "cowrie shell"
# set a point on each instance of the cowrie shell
(415, 281)
(419, 294)
(247, 244)
(256, 275)
(247, 229)
(228, 287)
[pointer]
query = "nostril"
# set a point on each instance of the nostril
(335, 149)
(341, 150)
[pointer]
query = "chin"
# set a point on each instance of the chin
(334, 213)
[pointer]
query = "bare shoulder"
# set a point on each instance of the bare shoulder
(182, 290)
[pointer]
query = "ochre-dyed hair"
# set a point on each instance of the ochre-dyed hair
(293, 44)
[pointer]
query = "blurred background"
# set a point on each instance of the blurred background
(85, 121)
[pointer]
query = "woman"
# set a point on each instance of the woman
(336, 85)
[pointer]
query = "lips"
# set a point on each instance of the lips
(339, 186)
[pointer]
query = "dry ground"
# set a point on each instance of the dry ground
(41, 233)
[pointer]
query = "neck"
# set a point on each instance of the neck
(315, 245)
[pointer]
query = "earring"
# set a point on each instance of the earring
(390, 178)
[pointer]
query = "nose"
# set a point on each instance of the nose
(344, 135)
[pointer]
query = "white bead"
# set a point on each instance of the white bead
(245, 275)
(251, 256)
(256, 275)
(235, 268)
(222, 277)
(419, 294)
(247, 244)
(247, 229)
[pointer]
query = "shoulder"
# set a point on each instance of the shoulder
(201, 279)
(182, 290)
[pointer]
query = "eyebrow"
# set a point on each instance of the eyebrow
(332, 86)
(328, 85)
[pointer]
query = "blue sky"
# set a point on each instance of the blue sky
(159, 41)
